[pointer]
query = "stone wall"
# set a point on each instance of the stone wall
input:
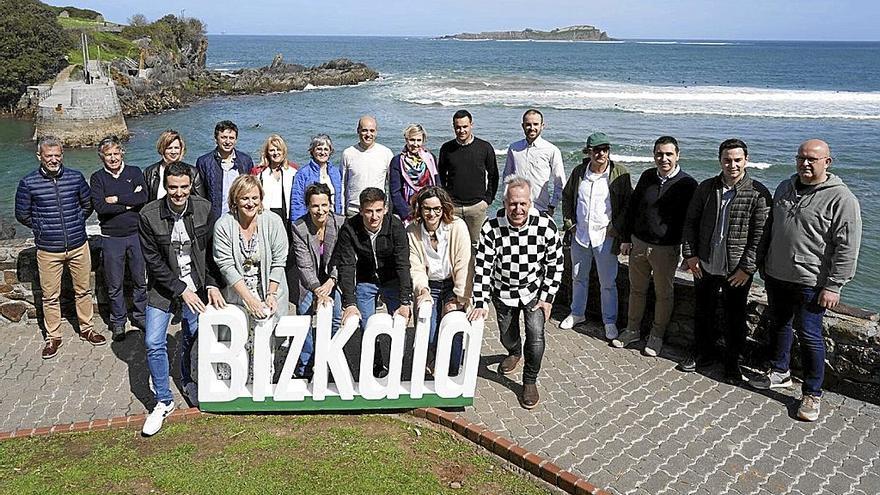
(852, 335)
(92, 113)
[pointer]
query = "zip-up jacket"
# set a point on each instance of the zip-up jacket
(748, 217)
(55, 208)
(212, 175)
(619, 190)
(151, 175)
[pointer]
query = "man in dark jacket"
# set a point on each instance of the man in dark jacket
(652, 239)
(723, 243)
(372, 259)
(176, 236)
(118, 193)
(54, 202)
(220, 166)
(594, 204)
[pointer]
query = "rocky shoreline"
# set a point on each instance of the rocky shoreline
(161, 92)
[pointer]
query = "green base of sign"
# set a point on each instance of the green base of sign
(332, 403)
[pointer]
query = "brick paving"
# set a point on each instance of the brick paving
(627, 423)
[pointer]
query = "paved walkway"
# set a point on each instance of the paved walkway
(622, 421)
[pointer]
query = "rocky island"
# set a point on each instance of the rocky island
(570, 33)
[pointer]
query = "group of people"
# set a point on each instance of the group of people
(414, 227)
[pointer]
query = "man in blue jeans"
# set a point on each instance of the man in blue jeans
(175, 234)
(372, 259)
(519, 265)
(815, 236)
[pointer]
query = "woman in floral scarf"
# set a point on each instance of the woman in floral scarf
(414, 169)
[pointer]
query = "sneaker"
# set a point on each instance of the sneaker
(654, 346)
(809, 408)
(50, 349)
(570, 321)
(93, 337)
(118, 334)
(509, 364)
(626, 338)
(611, 332)
(772, 379)
(191, 392)
(530, 397)
(154, 421)
(688, 364)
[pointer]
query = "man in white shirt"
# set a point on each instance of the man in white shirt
(364, 165)
(537, 160)
(593, 208)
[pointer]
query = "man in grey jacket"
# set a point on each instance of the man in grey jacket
(814, 245)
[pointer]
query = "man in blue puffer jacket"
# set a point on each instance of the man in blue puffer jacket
(54, 202)
(220, 166)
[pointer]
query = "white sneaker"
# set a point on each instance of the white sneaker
(570, 321)
(154, 421)
(191, 391)
(654, 346)
(611, 332)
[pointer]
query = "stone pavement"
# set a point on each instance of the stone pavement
(622, 421)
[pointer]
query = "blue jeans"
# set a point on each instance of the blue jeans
(367, 294)
(157, 349)
(441, 293)
(308, 349)
(606, 265)
(787, 302)
(116, 253)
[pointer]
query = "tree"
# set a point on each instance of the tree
(138, 20)
(32, 46)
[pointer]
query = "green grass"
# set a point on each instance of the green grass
(110, 46)
(258, 454)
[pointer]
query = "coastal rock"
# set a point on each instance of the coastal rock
(569, 33)
(7, 229)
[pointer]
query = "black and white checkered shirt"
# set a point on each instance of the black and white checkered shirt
(517, 264)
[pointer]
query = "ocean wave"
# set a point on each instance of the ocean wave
(515, 91)
(760, 165)
(631, 159)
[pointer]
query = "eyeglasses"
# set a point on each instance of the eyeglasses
(809, 159)
(437, 210)
(603, 149)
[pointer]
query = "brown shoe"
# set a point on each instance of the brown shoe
(93, 337)
(530, 396)
(509, 365)
(51, 348)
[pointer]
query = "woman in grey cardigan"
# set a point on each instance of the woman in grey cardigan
(314, 238)
(250, 249)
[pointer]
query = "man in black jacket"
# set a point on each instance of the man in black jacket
(723, 243)
(176, 236)
(652, 239)
(372, 259)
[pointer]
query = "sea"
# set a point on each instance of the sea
(771, 94)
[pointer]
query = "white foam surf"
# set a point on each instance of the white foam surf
(641, 98)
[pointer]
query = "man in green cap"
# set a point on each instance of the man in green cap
(593, 208)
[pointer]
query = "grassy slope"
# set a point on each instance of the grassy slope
(111, 45)
(257, 454)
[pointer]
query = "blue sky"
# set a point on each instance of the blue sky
(684, 19)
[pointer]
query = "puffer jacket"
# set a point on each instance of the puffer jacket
(55, 208)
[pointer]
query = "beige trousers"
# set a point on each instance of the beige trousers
(51, 266)
(647, 261)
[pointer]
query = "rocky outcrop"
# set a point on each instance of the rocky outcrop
(170, 87)
(570, 33)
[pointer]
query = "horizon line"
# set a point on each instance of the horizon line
(430, 36)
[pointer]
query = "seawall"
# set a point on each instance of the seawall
(81, 114)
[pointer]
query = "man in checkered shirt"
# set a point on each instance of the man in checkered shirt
(518, 264)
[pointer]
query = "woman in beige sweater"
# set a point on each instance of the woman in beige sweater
(440, 264)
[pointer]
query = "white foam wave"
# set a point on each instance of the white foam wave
(640, 98)
(631, 159)
(760, 165)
